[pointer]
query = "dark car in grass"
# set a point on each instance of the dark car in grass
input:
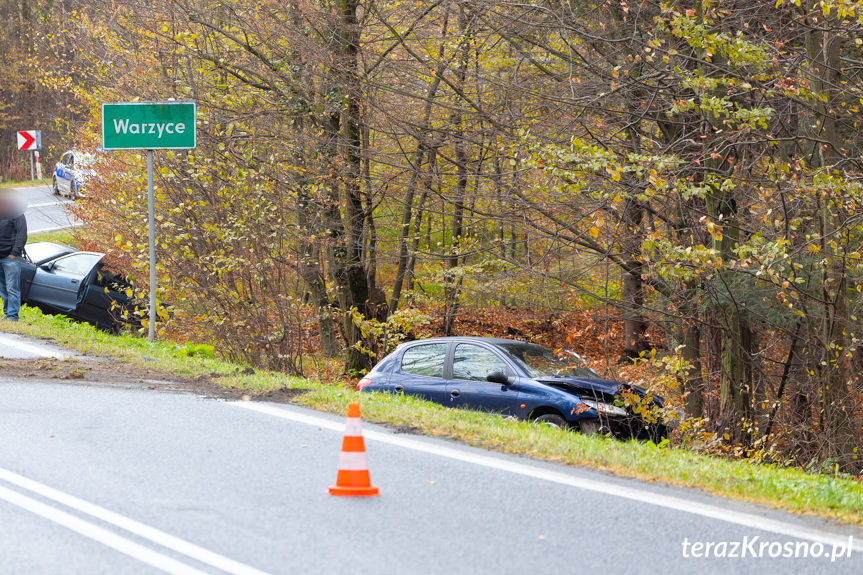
(518, 379)
(59, 279)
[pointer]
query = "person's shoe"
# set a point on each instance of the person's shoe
(10, 318)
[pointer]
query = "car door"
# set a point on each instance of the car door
(63, 171)
(421, 372)
(468, 386)
(60, 284)
(106, 303)
(28, 270)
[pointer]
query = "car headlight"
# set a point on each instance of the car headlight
(605, 408)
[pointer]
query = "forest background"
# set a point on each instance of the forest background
(670, 185)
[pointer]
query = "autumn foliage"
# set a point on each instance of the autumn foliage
(673, 188)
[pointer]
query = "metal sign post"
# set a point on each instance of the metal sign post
(149, 126)
(151, 221)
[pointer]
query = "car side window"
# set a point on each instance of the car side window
(71, 162)
(426, 360)
(66, 159)
(76, 264)
(474, 363)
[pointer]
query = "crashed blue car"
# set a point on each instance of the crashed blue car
(518, 379)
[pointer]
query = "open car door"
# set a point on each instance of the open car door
(63, 171)
(60, 284)
(36, 254)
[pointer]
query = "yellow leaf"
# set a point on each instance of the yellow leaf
(594, 232)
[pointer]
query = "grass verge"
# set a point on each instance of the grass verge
(65, 237)
(836, 497)
(24, 183)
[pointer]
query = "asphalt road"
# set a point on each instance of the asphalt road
(105, 479)
(16, 347)
(45, 211)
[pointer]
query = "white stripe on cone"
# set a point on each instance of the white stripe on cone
(353, 461)
(354, 427)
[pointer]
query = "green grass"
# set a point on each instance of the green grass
(24, 183)
(58, 237)
(159, 355)
(836, 497)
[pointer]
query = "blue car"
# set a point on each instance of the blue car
(518, 379)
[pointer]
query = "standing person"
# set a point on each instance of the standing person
(13, 236)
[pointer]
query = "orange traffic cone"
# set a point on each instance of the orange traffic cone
(353, 477)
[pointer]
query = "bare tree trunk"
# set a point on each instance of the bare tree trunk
(635, 327)
(351, 277)
(407, 205)
(370, 230)
(451, 287)
(312, 274)
(693, 381)
(839, 425)
(427, 185)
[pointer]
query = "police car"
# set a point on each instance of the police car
(72, 174)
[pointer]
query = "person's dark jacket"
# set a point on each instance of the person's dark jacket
(13, 236)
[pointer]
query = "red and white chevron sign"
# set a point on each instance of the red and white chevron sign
(29, 140)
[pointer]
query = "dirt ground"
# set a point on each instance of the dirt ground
(109, 372)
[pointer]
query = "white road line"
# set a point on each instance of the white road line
(667, 501)
(132, 526)
(54, 229)
(103, 536)
(33, 349)
(46, 204)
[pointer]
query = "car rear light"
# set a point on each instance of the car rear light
(363, 383)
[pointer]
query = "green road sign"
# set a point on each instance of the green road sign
(148, 126)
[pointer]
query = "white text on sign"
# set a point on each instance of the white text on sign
(122, 126)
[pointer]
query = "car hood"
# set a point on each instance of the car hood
(41, 252)
(604, 389)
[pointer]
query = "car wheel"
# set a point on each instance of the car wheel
(551, 419)
(589, 426)
(73, 189)
(54, 189)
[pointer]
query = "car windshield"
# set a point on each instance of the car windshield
(540, 361)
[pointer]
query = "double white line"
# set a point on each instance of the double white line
(110, 539)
